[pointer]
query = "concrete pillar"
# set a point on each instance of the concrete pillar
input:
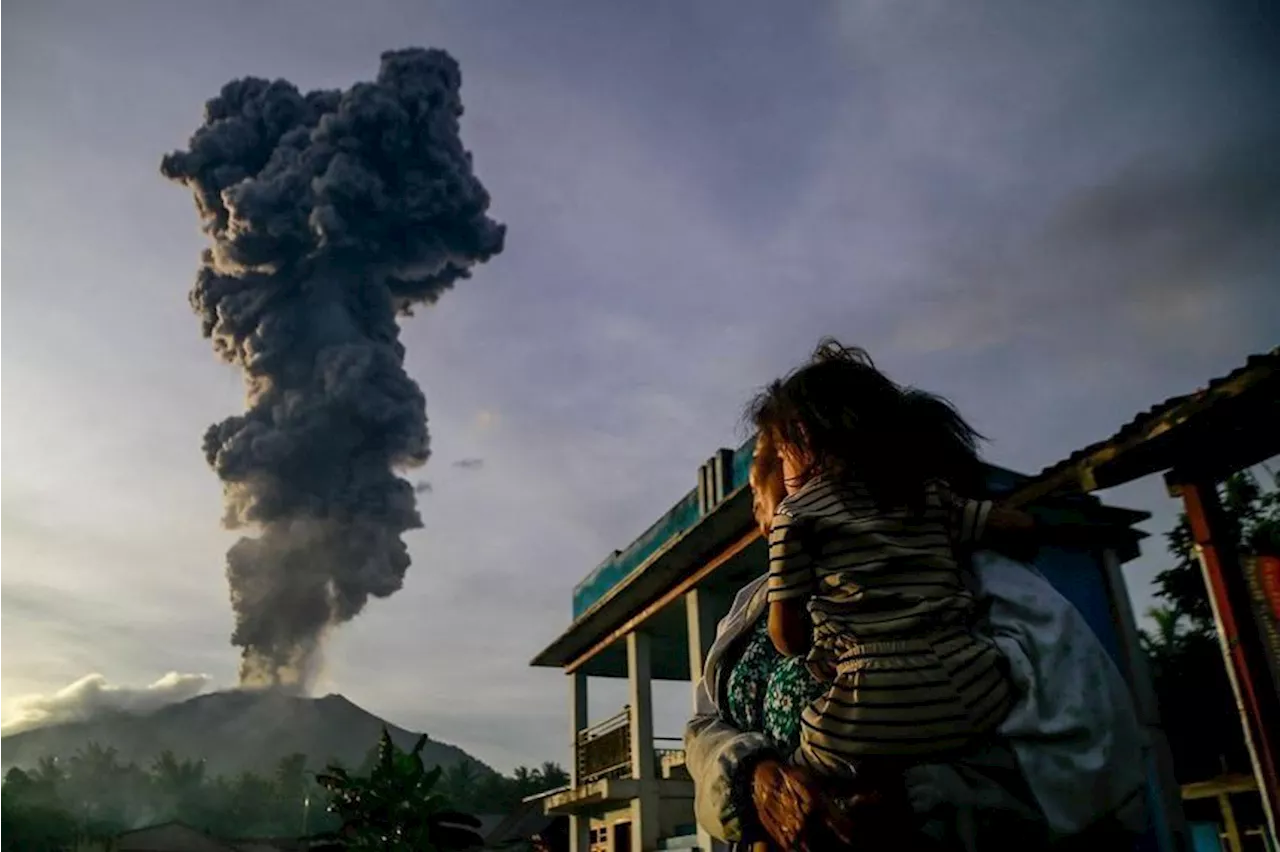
(577, 720)
(1172, 828)
(701, 612)
(579, 826)
(579, 833)
(644, 808)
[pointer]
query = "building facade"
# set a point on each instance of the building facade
(649, 612)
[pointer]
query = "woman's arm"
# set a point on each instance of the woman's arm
(721, 761)
(1012, 533)
(1019, 533)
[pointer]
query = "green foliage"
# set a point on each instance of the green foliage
(1253, 513)
(1196, 703)
(32, 818)
(92, 794)
(396, 807)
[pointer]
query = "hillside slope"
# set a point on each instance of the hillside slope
(232, 731)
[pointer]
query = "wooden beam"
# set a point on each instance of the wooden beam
(1214, 787)
(1247, 398)
(667, 598)
(1215, 458)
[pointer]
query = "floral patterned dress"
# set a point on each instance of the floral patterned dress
(767, 692)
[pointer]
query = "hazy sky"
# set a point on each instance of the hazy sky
(1056, 214)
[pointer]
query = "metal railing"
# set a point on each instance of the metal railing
(604, 749)
(667, 747)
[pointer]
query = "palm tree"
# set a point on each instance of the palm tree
(179, 786)
(93, 776)
(49, 772)
(177, 775)
(524, 776)
(1168, 635)
(552, 775)
(460, 780)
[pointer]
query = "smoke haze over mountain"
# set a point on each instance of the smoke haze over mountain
(92, 696)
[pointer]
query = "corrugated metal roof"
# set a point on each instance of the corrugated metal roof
(1168, 414)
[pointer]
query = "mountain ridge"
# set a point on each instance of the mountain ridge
(232, 731)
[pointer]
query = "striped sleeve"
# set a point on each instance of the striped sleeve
(790, 565)
(966, 518)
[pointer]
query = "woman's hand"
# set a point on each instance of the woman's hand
(789, 802)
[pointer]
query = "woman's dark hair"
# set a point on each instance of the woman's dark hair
(855, 423)
(764, 458)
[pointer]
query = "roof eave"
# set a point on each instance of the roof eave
(1117, 459)
(722, 525)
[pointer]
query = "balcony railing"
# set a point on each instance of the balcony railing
(604, 750)
(667, 747)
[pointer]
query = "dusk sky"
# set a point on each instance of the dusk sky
(1055, 214)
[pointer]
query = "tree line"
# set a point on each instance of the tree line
(94, 794)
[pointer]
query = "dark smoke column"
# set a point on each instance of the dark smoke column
(331, 214)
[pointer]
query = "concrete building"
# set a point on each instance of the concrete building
(650, 612)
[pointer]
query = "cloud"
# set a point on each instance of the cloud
(92, 696)
(469, 464)
(1167, 248)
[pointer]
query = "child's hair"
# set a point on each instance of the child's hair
(852, 421)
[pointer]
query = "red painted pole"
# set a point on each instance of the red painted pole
(1255, 691)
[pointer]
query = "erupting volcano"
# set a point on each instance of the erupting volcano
(332, 213)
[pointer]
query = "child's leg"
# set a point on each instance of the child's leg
(815, 752)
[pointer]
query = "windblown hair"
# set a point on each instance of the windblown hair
(855, 424)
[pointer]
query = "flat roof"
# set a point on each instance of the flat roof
(728, 522)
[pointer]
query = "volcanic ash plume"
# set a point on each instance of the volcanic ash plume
(331, 213)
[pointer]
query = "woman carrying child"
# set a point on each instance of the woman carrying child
(1077, 753)
(868, 570)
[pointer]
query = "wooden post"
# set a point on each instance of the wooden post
(1256, 697)
(1229, 823)
(1222, 788)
